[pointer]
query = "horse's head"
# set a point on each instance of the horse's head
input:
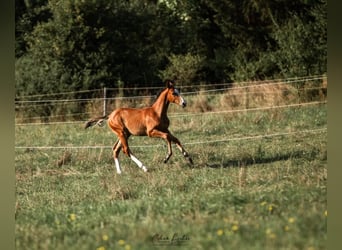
(173, 94)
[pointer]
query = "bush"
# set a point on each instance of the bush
(183, 68)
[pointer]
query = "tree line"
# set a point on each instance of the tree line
(89, 44)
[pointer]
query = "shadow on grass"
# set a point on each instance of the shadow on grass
(251, 160)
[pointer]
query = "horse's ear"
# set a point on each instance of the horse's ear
(170, 84)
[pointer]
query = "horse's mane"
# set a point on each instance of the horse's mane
(162, 90)
(159, 93)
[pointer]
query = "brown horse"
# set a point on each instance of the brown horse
(151, 121)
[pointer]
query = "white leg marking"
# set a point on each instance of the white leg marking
(139, 163)
(182, 150)
(117, 165)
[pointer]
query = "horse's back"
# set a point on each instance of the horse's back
(131, 119)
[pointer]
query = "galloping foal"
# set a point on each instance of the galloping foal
(151, 121)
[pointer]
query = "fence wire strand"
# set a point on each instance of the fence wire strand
(260, 83)
(254, 137)
(176, 115)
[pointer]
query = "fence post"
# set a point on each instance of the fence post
(104, 101)
(247, 98)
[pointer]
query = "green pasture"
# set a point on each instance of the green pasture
(243, 192)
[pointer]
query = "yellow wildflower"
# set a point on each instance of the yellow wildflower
(105, 237)
(127, 247)
(291, 220)
(101, 248)
(235, 228)
(270, 208)
(219, 232)
(326, 213)
(121, 242)
(72, 217)
(263, 203)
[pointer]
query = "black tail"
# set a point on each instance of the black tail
(96, 121)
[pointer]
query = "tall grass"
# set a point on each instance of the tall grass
(261, 193)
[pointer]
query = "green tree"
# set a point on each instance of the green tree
(27, 15)
(82, 45)
(302, 42)
(183, 68)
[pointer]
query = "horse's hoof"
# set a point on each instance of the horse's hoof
(191, 162)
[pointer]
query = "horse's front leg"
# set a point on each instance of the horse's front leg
(169, 151)
(166, 137)
(181, 148)
(170, 138)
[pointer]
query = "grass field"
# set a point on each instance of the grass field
(244, 192)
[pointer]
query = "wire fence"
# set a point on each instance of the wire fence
(71, 109)
(234, 91)
(202, 90)
(254, 137)
(177, 115)
(37, 103)
(249, 84)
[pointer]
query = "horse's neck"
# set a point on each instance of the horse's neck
(161, 105)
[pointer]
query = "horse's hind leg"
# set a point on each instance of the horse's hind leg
(139, 163)
(116, 151)
(123, 140)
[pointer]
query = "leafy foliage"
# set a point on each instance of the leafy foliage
(183, 68)
(82, 45)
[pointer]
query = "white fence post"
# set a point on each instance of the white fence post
(104, 101)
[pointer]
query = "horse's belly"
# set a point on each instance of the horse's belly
(137, 129)
(140, 133)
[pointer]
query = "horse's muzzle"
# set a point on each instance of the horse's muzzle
(184, 104)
